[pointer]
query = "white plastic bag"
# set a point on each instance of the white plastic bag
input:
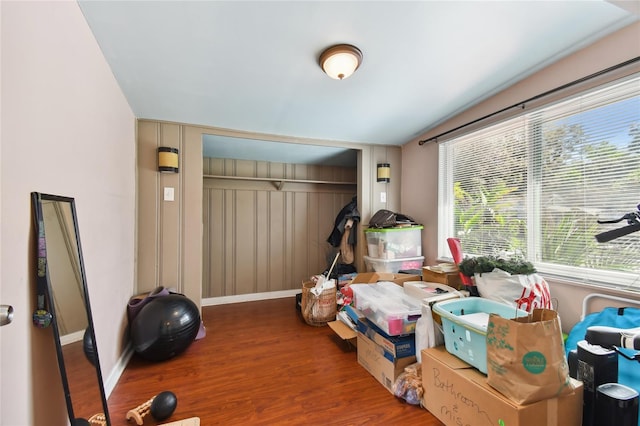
(525, 292)
(428, 334)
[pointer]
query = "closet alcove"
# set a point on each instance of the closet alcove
(268, 209)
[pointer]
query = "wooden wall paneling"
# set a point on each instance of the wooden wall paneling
(148, 229)
(228, 221)
(277, 170)
(273, 239)
(261, 262)
(190, 253)
(170, 243)
(276, 220)
(289, 242)
(244, 242)
(326, 218)
(300, 237)
(244, 168)
(214, 257)
(261, 242)
(276, 233)
(217, 166)
(160, 230)
(314, 246)
(219, 234)
(207, 238)
(170, 214)
(170, 236)
(211, 265)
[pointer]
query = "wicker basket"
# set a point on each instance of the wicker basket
(318, 310)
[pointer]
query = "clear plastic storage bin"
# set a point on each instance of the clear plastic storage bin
(464, 324)
(393, 265)
(387, 306)
(394, 243)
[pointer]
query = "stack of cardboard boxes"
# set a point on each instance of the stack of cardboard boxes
(453, 391)
(458, 394)
(382, 355)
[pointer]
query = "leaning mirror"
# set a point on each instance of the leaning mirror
(63, 300)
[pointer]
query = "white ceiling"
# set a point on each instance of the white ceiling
(253, 66)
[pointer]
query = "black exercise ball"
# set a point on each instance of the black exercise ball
(163, 405)
(165, 327)
(88, 347)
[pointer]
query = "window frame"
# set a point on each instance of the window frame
(446, 216)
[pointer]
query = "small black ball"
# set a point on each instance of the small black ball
(163, 405)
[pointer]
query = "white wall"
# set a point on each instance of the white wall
(420, 163)
(67, 130)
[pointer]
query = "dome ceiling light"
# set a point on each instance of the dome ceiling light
(340, 61)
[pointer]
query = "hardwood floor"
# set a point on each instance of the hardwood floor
(260, 364)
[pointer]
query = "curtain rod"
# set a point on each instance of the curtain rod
(535, 98)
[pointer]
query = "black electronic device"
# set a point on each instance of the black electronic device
(594, 366)
(617, 405)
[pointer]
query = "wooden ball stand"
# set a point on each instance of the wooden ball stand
(98, 420)
(140, 411)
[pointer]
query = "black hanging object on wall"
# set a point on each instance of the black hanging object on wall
(633, 225)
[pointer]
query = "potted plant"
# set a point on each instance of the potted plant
(478, 265)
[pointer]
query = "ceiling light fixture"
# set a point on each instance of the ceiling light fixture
(340, 61)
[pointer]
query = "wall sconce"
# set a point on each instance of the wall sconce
(167, 159)
(384, 172)
(340, 61)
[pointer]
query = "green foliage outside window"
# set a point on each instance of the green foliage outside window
(568, 172)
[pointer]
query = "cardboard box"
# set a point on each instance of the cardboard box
(452, 279)
(372, 357)
(458, 394)
(394, 346)
(344, 331)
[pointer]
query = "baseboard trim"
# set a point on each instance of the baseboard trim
(252, 297)
(116, 372)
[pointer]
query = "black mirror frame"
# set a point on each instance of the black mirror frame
(36, 198)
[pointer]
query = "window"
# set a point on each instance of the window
(535, 185)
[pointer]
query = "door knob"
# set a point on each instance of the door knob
(6, 314)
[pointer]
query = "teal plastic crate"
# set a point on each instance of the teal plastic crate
(464, 324)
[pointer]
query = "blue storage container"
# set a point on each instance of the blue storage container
(464, 324)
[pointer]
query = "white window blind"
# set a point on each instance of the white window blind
(536, 185)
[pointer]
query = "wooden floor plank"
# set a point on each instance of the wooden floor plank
(260, 364)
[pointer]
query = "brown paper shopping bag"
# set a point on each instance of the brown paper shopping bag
(525, 357)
